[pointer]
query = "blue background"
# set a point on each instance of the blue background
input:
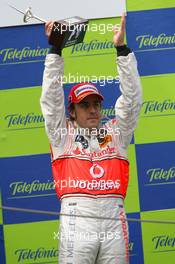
(152, 22)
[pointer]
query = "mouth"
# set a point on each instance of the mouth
(92, 118)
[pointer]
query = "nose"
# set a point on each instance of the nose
(92, 108)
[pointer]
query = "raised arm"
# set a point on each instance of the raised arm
(128, 105)
(52, 97)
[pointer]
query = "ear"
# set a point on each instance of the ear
(73, 114)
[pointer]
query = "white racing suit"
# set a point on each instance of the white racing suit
(91, 172)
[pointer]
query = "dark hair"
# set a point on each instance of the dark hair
(71, 109)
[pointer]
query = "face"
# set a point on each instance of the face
(87, 113)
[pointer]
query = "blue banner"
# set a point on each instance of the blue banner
(22, 54)
(151, 36)
(156, 175)
(28, 184)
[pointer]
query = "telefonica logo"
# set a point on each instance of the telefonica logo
(24, 187)
(93, 45)
(155, 41)
(133, 250)
(165, 107)
(149, 108)
(161, 176)
(32, 120)
(26, 53)
(24, 121)
(131, 247)
(30, 255)
(108, 112)
(163, 243)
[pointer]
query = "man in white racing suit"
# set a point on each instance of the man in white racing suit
(89, 160)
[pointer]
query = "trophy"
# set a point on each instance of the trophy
(65, 33)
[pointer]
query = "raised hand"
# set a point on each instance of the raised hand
(119, 33)
(48, 28)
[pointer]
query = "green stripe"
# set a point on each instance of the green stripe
(155, 49)
(160, 183)
(32, 196)
(21, 62)
(136, 5)
(159, 125)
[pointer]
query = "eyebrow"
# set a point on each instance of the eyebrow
(95, 101)
(84, 102)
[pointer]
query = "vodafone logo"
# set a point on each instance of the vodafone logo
(96, 171)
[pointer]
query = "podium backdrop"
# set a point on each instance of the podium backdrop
(25, 172)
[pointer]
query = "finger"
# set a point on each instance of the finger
(116, 28)
(49, 25)
(123, 22)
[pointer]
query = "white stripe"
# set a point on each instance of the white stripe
(85, 88)
(91, 195)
